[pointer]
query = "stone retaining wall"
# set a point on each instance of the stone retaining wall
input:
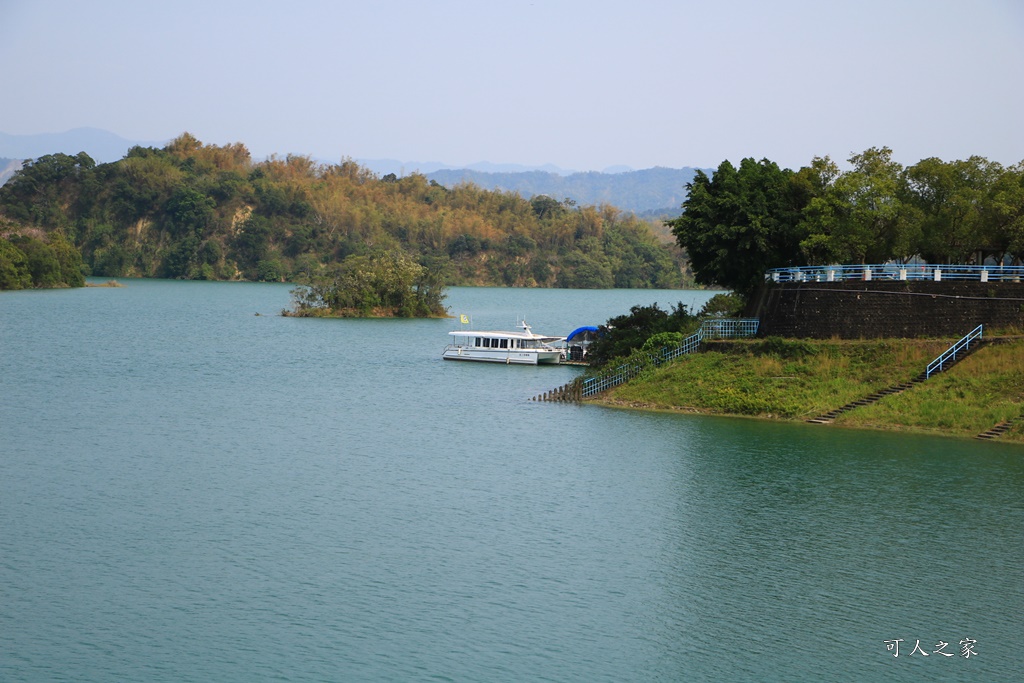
(892, 309)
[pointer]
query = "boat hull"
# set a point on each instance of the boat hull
(506, 356)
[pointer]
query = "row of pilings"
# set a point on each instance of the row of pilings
(567, 393)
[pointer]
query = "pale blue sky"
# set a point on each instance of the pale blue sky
(583, 84)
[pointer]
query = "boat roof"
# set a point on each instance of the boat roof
(500, 334)
(580, 331)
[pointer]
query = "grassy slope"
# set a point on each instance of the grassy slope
(983, 390)
(797, 380)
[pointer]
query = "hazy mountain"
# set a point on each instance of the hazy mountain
(652, 191)
(8, 167)
(103, 146)
(403, 168)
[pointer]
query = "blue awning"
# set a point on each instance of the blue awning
(580, 331)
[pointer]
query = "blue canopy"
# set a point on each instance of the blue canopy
(580, 330)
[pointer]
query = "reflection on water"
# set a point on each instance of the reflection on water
(189, 491)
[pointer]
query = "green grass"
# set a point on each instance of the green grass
(798, 380)
(985, 389)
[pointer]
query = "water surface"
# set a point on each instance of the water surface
(191, 492)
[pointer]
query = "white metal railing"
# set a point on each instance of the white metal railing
(896, 271)
(715, 328)
(948, 357)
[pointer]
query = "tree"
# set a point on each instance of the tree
(68, 258)
(584, 271)
(190, 211)
(1002, 215)
(739, 223)
(39, 190)
(14, 272)
(26, 261)
(860, 217)
(950, 200)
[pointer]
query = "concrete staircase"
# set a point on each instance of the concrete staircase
(868, 400)
(999, 429)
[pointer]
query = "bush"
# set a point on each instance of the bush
(663, 340)
(622, 335)
(728, 305)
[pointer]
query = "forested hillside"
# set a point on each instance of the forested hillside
(199, 211)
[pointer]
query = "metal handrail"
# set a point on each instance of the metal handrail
(949, 355)
(714, 328)
(895, 271)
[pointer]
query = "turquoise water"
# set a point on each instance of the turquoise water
(192, 492)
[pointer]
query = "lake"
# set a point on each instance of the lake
(190, 491)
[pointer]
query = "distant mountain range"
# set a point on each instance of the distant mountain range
(103, 146)
(650, 192)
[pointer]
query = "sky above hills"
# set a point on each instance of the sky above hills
(581, 84)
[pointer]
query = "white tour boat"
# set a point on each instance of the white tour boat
(522, 347)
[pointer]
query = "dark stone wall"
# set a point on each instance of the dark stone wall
(885, 309)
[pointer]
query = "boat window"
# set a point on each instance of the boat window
(487, 343)
(504, 343)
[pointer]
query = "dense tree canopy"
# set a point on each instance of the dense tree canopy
(740, 222)
(27, 261)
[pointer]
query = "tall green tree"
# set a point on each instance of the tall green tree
(741, 222)
(860, 217)
(1002, 215)
(951, 198)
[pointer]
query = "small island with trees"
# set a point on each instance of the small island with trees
(381, 285)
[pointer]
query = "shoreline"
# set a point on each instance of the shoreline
(804, 380)
(643, 407)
